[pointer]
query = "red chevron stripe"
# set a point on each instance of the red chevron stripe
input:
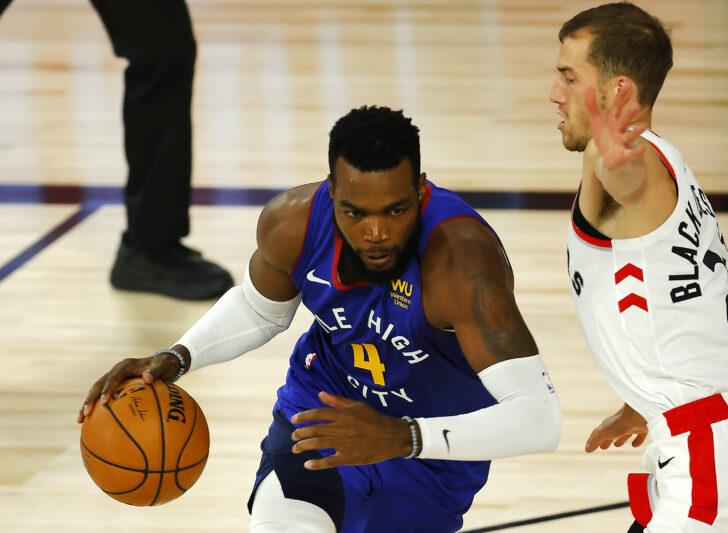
(630, 300)
(628, 270)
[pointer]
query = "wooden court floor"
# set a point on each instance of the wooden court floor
(271, 79)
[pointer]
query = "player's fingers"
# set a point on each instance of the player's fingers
(326, 462)
(606, 443)
(93, 394)
(639, 439)
(335, 401)
(126, 368)
(631, 134)
(320, 414)
(307, 432)
(590, 99)
(315, 443)
(592, 443)
(621, 440)
(634, 153)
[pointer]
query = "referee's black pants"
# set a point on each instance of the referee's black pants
(156, 38)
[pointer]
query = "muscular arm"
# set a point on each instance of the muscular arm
(464, 263)
(468, 287)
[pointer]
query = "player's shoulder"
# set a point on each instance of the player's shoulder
(289, 210)
(462, 254)
(282, 224)
(462, 247)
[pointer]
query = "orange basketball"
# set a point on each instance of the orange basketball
(147, 445)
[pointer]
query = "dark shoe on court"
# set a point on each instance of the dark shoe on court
(176, 271)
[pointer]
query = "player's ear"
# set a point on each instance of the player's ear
(421, 186)
(331, 185)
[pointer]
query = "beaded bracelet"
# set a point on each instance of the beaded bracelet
(176, 354)
(415, 442)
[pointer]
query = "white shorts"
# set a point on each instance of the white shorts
(687, 489)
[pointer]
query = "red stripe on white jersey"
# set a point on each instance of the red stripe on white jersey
(697, 417)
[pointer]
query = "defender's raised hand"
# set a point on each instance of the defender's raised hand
(615, 142)
(359, 434)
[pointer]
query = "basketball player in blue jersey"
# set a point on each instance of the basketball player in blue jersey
(418, 368)
(647, 263)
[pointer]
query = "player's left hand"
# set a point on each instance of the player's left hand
(618, 429)
(359, 434)
(612, 135)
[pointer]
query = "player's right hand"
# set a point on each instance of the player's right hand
(149, 368)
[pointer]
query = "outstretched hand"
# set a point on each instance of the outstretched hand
(359, 434)
(618, 429)
(615, 142)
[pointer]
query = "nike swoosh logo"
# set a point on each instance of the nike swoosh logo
(662, 464)
(444, 434)
(315, 279)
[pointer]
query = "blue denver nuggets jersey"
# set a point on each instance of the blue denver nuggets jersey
(372, 343)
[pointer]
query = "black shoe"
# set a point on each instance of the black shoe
(176, 271)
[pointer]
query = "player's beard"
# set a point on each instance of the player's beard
(355, 267)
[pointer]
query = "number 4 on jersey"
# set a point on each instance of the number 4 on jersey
(370, 361)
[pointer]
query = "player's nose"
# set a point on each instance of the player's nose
(377, 230)
(556, 94)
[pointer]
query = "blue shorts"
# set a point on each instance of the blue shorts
(397, 495)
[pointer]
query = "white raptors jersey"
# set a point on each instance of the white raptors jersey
(654, 309)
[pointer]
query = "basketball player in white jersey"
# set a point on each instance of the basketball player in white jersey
(647, 264)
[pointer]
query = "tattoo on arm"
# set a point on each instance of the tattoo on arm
(500, 323)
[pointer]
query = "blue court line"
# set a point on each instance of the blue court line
(38, 246)
(93, 196)
(547, 518)
(249, 196)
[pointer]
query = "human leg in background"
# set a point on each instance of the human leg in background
(158, 41)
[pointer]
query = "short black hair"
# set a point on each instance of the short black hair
(373, 138)
(627, 41)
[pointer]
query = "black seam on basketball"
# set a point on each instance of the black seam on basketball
(164, 450)
(179, 456)
(140, 470)
(145, 471)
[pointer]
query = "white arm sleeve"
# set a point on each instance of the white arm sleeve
(526, 419)
(240, 321)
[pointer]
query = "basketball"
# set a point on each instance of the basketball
(147, 445)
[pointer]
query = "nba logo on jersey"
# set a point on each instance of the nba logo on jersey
(309, 359)
(547, 379)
